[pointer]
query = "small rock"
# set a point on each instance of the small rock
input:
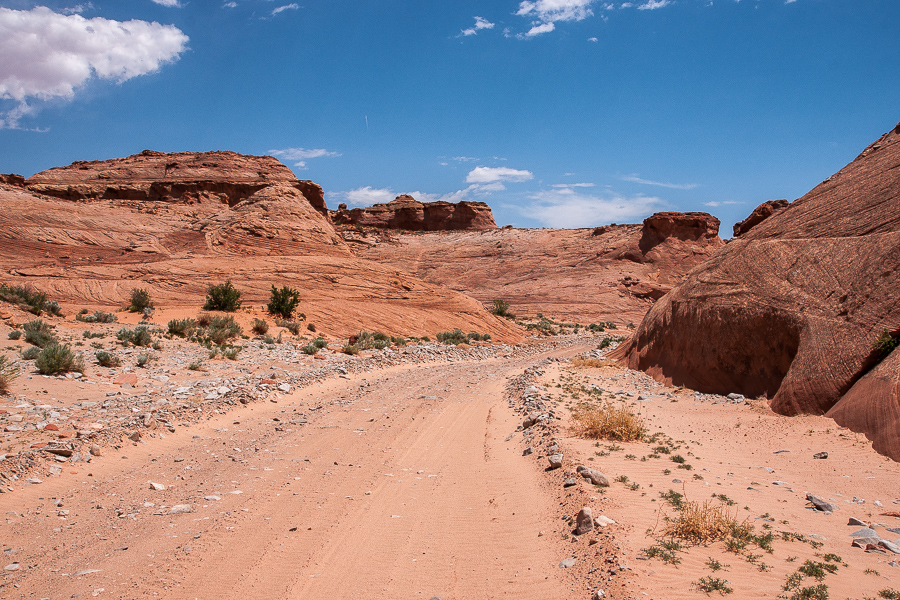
(592, 475)
(11, 567)
(555, 460)
(180, 509)
(527, 451)
(157, 486)
(820, 504)
(569, 482)
(893, 547)
(857, 522)
(135, 437)
(603, 521)
(865, 532)
(598, 595)
(95, 450)
(212, 498)
(584, 521)
(569, 562)
(820, 455)
(284, 387)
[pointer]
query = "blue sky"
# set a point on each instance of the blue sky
(557, 113)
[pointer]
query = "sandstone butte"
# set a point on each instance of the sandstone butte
(610, 273)
(176, 224)
(405, 212)
(792, 307)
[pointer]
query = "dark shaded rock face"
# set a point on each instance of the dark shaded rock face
(189, 177)
(759, 214)
(405, 212)
(13, 179)
(791, 308)
(696, 227)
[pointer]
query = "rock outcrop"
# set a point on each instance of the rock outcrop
(791, 308)
(585, 275)
(12, 179)
(759, 214)
(187, 177)
(407, 213)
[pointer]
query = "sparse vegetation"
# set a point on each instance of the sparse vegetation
(283, 302)
(311, 327)
(8, 372)
(260, 326)
(224, 297)
(107, 359)
(886, 342)
(500, 308)
(291, 326)
(58, 358)
(143, 359)
(593, 362)
(140, 301)
(28, 299)
(713, 584)
(195, 366)
(96, 317)
(31, 352)
(702, 522)
(231, 353)
(452, 338)
(139, 336)
(182, 327)
(607, 421)
(889, 594)
(14, 334)
(38, 333)
(309, 349)
(222, 329)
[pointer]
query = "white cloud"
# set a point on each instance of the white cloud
(539, 29)
(492, 174)
(572, 185)
(564, 208)
(77, 9)
(464, 159)
(593, 39)
(674, 186)
(291, 6)
(167, 2)
(230, 5)
(367, 196)
(48, 55)
(654, 4)
(480, 23)
(550, 11)
(301, 155)
(716, 203)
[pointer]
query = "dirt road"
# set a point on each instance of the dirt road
(399, 484)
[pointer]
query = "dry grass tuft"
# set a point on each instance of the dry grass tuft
(703, 522)
(8, 372)
(594, 362)
(608, 421)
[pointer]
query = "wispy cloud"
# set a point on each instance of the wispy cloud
(230, 5)
(301, 155)
(480, 23)
(565, 208)
(497, 174)
(280, 9)
(546, 13)
(716, 203)
(572, 185)
(48, 55)
(77, 9)
(673, 186)
(654, 4)
(172, 3)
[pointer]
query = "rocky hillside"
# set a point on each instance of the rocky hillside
(611, 273)
(407, 213)
(793, 307)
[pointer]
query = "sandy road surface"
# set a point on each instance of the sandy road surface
(401, 484)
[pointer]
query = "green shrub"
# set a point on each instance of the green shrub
(319, 342)
(14, 334)
(283, 302)
(143, 359)
(195, 366)
(140, 300)
(31, 352)
(886, 342)
(224, 297)
(350, 349)
(713, 584)
(53, 308)
(182, 327)
(381, 337)
(96, 317)
(24, 297)
(58, 358)
(260, 326)
(311, 327)
(204, 319)
(231, 353)
(107, 359)
(380, 344)
(8, 372)
(140, 336)
(452, 337)
(38, 333)
(309, 349)
(289, 325)
(222, 329)
(500, 308)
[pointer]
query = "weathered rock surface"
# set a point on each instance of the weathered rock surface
(791, 308)
(759, 214)
(405, 212)
(12, 179)
(611, 273)
(191, 177)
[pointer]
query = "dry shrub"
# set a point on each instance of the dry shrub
(703, 522)
(608, 421)
(593, 362)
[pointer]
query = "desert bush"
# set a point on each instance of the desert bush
(195, 366)
(260, 326)
(380, 344)
(143, 359)
(204, 319)
(140, 336)
(224, 297)
(97, 317)
(350, 349)
(231, 353)
(380, 337)
(52, 307)
(38, 333)
(107, 359)
(8, 371)
(309, 349)
(14, 334)
(593, 362)
(607, 421)
(222, 329)
(24, 297)
(500, 308)
(886, 342)
(140, 300)
(319, 343)
(182, 327)
(58, 358)
(714, 584)
(291, 326)
(452, 337)
(704, 522)
(398, 341)
(283, 302)
(31, 352)
(311, 327)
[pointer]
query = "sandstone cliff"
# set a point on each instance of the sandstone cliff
(791, 308)
(405, 212)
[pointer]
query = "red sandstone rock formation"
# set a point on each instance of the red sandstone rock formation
(759, 214)
(791, 308)
(13, 179)
(405, 212)
(223, 177)
(571, 274)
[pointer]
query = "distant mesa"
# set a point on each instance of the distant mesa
(405, 212)
(791, 308)
(189, 177)
(759, 214)
(698, 228)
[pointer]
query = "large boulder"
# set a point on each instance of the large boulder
(792, 307)
(759, 214)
